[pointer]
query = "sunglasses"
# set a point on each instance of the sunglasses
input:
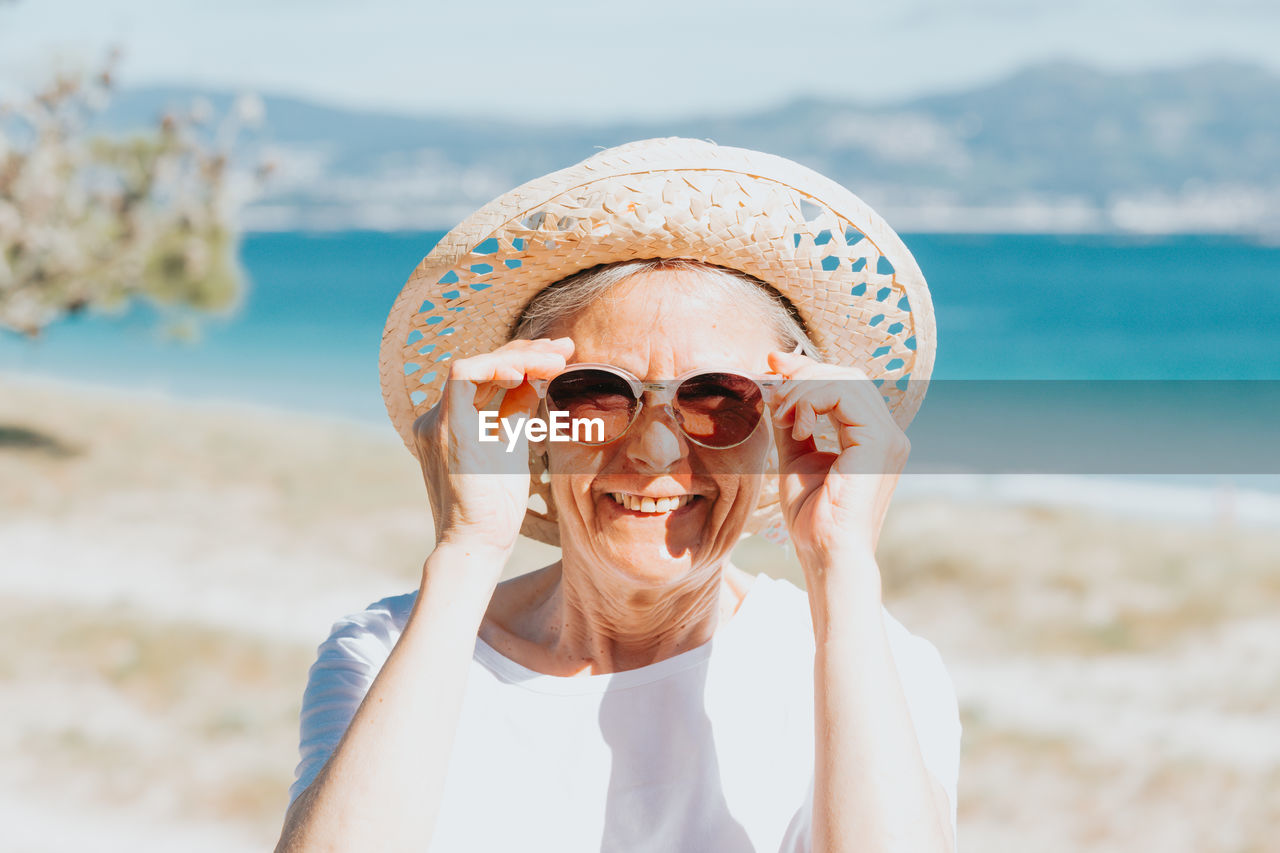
(718, 409)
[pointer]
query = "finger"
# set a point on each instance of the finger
(863, 402)
(561, 347)
(510, 366)
(507, 376)
(850, 402)
(522, 400)
(873, 451)
(844, 411)
(786, 396)
(564, 345)
(805, 419)
(503, 369)
(780, 409)
(485, 394)
(848, 436)
(820, 397)
(462, 400)
(543, 358)
(790, 449)
(467, 397)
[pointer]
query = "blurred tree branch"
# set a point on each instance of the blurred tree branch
(95, 221)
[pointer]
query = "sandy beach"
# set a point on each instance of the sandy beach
(168, 567)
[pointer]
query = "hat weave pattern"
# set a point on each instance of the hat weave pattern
(858, 290)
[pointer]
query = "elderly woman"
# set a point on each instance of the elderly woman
(702, 311)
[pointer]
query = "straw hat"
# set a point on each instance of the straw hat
(857, 288)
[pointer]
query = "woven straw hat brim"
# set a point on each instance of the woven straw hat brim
(856, 286)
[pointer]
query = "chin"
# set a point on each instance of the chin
(645, 562)
(652, 544)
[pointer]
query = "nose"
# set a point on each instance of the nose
(654, 442)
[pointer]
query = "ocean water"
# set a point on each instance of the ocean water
(1008, 307)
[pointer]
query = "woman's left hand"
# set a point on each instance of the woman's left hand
(834, 503)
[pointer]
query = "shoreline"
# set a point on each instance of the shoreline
(1215, 500)
(122, 391)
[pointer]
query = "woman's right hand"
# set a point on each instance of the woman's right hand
(479, 491)
(383, 784)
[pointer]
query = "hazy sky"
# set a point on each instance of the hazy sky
(593, 59)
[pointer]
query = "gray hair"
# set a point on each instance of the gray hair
(572, 294)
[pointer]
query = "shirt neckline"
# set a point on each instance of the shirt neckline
(519, 675)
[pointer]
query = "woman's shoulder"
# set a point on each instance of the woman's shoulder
(374, 629)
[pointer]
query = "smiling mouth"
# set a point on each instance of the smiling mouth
(650, 506)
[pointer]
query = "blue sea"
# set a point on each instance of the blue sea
(1009, 307)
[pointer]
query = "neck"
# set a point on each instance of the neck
(597, 622)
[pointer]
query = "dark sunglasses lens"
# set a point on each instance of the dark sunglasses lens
(592, 394)
(719, 409)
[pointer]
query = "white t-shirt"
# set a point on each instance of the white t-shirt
(709, 750)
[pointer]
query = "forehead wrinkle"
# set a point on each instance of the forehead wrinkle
(596, 340)
(629, 326)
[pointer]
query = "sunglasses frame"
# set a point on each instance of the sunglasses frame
(667, 390)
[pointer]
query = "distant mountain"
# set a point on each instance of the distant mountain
(1055, 147)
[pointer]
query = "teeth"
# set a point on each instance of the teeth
(656, 506)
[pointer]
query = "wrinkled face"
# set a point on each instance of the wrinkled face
(659, 325)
